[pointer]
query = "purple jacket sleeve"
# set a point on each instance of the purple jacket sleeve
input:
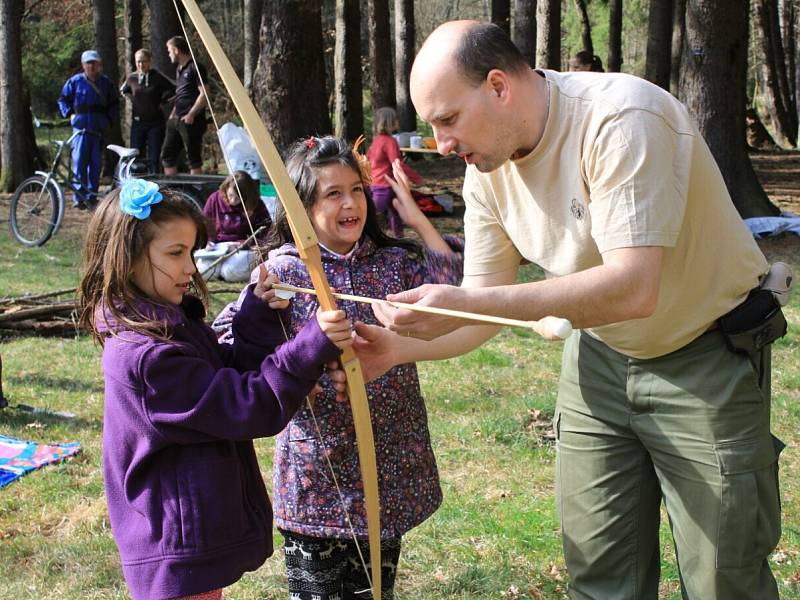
(257, 331)
(188, 400)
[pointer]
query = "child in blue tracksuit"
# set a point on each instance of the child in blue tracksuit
(188, 507)
(91, 102)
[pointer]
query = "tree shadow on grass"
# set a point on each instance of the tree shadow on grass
(58, 383)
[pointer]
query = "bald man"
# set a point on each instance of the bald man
(605, 182)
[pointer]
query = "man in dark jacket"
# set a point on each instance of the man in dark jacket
(91, 102)
(187, 123)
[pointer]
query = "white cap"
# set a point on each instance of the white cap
(89, 56)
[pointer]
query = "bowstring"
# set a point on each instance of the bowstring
(261, 261)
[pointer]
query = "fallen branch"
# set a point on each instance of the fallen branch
(32, 297)
(24, 314)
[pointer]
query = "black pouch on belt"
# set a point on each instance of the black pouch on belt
(753, 324)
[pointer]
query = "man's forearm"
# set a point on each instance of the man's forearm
(618, 290)
(199, 104)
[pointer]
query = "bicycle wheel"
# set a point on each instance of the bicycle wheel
(34, 212)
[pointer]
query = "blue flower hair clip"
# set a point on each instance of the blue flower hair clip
(137, 196)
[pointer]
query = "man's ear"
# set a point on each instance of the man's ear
(499, 83)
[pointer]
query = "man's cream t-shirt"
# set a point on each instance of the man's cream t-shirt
(620, 164)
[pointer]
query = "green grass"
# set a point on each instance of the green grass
(495, 537)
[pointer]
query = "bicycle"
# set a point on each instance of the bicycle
(39, 202)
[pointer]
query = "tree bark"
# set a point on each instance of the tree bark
(787, 17)
(548, 38)
(678, 30)
(659, 42)
(770, 67)
(380, 54)
(713, 85)
(252, 25)
(289, 81)
(105, 34)
(347, 70)
(133, 32)
(525, 29)
(16, 147)
(614, 62)
(501, 14)
(403, 58)
(796, 73)
(164, 24)
(779, 44)
(586, 27)
(132, 24)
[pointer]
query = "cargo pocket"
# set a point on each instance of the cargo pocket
(749, 521)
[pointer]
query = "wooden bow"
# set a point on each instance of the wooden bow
(307, 244)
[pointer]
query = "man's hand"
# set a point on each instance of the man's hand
(374, 347)
(424, 326)
(188, 118)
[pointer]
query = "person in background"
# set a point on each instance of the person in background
(586, 61)
(91, 102)
(383, 151)
(148, 89)
(233, 219)
(187, 122)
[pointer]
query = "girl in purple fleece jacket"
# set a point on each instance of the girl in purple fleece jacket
(187, 504)
(322, 559)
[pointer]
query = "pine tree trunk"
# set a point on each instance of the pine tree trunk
(164, 24)
(380, 54)
(252, 25)
(713, 84)
(105, 34)
(678, 34)
(403, 58)
(548, 38)
(133, 32)
(769, 63)
(778, 44)
(525, 29)
(586, 27)
(289, 81)
(659, 42)
(16, 155)
(614, 62)
(501, 14)
(787, 16)
(347, 70)
(132, 24)
(796, 73)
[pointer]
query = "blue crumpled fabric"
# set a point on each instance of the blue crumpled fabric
(770, 226)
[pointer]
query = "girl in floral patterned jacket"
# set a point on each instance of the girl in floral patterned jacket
(322, 559)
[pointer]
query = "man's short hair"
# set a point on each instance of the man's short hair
(180, 43)
(485, 47)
